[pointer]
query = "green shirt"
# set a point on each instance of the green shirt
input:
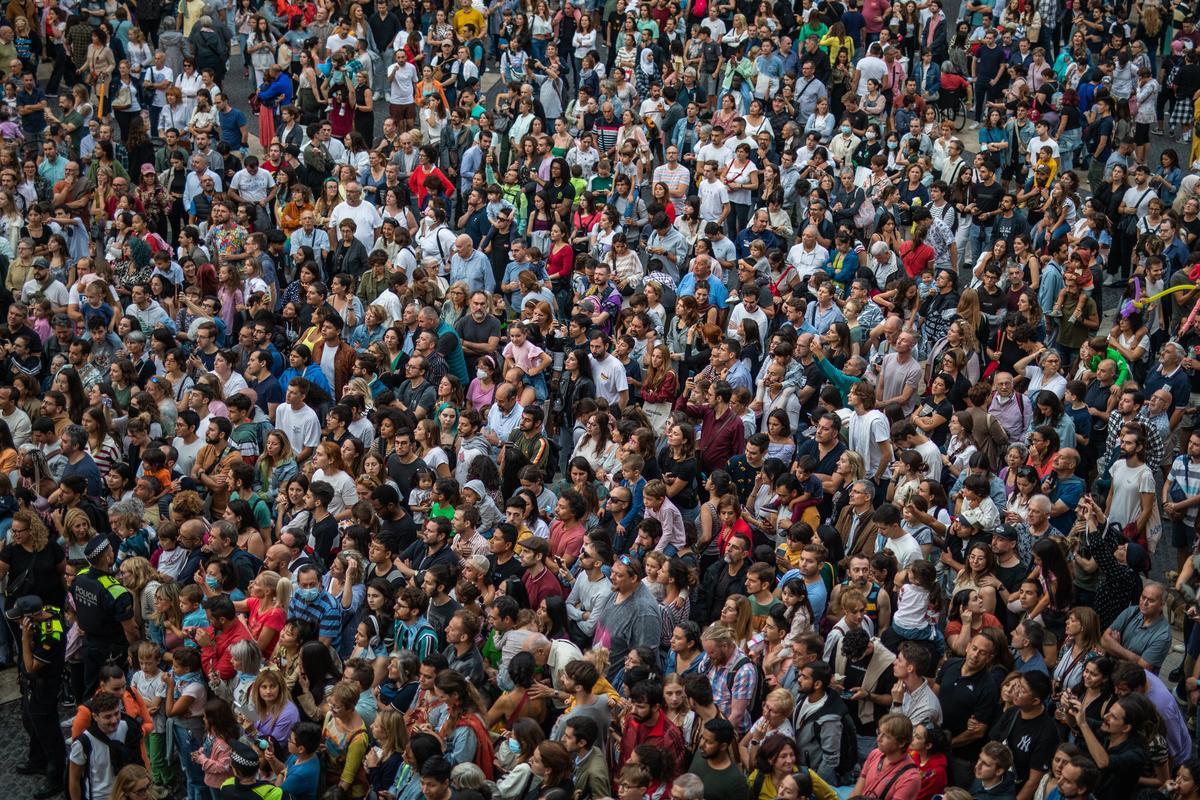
(727, 784)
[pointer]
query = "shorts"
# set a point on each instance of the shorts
(538, 382)
(1183, 536)
(1141, 133)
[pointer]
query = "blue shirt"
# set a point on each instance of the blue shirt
(1069, 491)
(716, 290)
(326, 611)
(475, 270)
(303, 781)
(232, 122)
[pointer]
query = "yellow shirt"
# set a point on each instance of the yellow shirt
(821, 789)
(468, 16)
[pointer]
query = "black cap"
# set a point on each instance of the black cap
(25, 606)
(1006, 532)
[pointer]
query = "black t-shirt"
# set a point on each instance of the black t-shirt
(402, 531)
(987, 197)
(1032, 741)
(686, 470)
(855, 673)
(965, 697)
(324, 535)
(1119, 780)
(35, 573)
(500, 572)
(402, 475)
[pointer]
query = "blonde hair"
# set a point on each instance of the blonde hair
(72, 516)
(395, 734)
(143, 573)
(270, 675)
(277, 586)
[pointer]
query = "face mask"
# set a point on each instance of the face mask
(210, 582)
(308, 595)
(482, 374)
(892, 145)
(870, 136)
(514, 746)
(846, 129)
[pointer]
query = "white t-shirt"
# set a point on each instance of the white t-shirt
(870, 67)
(344, 493)
(1140, 197)
(866, 433)
(187, 453)
(100, 769)
(55, 292)
(365, 216)
(710, 152)
(1128, 483)
(152, 689)
(302, 427)
(335, 43)
(807, 262)
(252, 188)
(713, 197)
(401, 83)
(609, 377)
(905, 549)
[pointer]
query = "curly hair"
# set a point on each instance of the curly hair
(188, 504)
(38, 534)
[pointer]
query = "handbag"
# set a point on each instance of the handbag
(123, 99)
(658, 414)
(1128, 223)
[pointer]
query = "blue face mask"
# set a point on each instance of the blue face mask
(308, 595)
(514, 745)
(211, 582)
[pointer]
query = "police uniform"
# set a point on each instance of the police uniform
(39, 690)
(101, 605)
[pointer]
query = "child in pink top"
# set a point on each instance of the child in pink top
(531, 360)
(220, 728)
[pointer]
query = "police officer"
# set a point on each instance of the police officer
(43, 648)
(104, 609)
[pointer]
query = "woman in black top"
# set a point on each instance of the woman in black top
(33, 563)
(680, 468)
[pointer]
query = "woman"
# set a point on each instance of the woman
(344, 736)
(933, 415)
(266, 609)
(327, 461)
(459, 722)
(741, 180)
(554, 767)
(775, 761)
(517, 702)
(1094, 692)
(143, 582)
(275, 466)
(103, 449)
(681, 468)
(597, 445)
(1080, 647)
(32, 564)
(99, 62)
(967, 617)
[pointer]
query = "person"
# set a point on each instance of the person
(104, 612)
(43, 650)
(888, 773)
(102, 751)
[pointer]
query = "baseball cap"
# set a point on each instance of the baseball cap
(24, 606)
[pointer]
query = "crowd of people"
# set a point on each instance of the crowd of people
(572, 401)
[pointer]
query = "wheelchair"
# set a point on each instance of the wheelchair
(952, 105)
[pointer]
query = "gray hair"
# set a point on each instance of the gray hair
(132, 507)
(691, 786)
(467, 776)
(248, 655)
(1042, 502)
(867, 487)
(880, 248)
(77, 435)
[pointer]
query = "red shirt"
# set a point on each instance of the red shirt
(216, 656)
(541, 587)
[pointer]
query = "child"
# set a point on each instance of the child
(601, 182)
(925, 284)
(135, 540)
(634, 783)
(578, 183)
(1045, 158)
(919, 599)
(496, 203)
(444, 497)
(190, 598)
(531, 360)
(632, 479)
(811, 491)
(787, 554)
(420, 497)
(42, 312)
(976, 505)
(660, 507)
(300, 776)
(150, 683)
(220, 731)
(184, 701)
(96, 305)
(993, 781)
(907, 473)
(169, 559)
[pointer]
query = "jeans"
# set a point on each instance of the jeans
(1070, 142)
(185, 745)
(977, 242)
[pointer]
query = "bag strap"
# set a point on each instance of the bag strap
(887, 787)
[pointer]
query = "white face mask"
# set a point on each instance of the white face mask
(482, 374)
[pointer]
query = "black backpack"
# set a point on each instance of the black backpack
(120, 754)
(760, 683)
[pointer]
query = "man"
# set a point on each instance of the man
(298, 422)
(43, 648)
(335, 357)
(855, 523)
(147, 311)
(712, 764)
(1180, 496)
(1131, 413)
(100, 752)
(1169, 374)
(900, 376)
(630, 617)
(868, 674)
(366, 217)
(970, 700)
(74, 442)
(898, 541)
(1122, 755)
(1131, 497)
(1009, 407)
(478, 330)
(727, 576)
(608, 373)
(817, 721)
(913, 694)
(103, 608)
(311, 602)
(1141, 633)
(733, 676)
(1079, 778)
(529, 441)
(16, 419)
(1129, 678)
(539, 580)
(223, 544)
(225, 630)
(580, 737)
(869, 433)
(1029, 732)
(471, 266)
(722, 435)
(648, 723)
(858, 578)
(590, 590)
(310, 236)
(267, 392)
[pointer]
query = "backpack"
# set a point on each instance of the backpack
(120, 754)
(760, 683)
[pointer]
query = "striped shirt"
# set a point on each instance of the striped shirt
(325, 611)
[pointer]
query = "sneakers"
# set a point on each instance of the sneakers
(974, 126)
(28, 768)
(1157, 131)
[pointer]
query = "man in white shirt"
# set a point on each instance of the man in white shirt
(900, 543)
(297, 421)
(310, 236)
(608, 373)
(402, 80)
(256, 187)
(16, 419)
(715, 150)
(41, 285)
(503, 417)
(714, 197)
(672, 173)
(341, 36)
(870, 66)
(1042, 139)
(807, 256)
(365, 216)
